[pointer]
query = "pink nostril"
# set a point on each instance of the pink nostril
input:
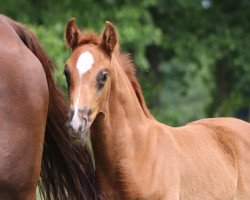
(85, 121)
(83, 126)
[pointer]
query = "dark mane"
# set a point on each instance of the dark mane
(67, 172)
(125, 62)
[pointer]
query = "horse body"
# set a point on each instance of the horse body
(23, 116)
(33, 135)
(136, 156)
(233, 138)
(140, 158)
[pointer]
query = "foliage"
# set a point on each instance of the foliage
(192, 56)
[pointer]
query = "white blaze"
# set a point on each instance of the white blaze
(76, 122)
(84, 63)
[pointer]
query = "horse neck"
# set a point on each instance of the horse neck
(122, 98)
(116, 133)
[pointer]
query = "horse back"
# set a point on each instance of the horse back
(231, 133)
(234, 135)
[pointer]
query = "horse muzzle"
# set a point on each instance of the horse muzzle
(78, 123)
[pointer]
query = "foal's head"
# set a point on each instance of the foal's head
(88, 73)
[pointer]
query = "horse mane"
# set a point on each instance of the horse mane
(124, 59)
(127, 64)
(67, 172)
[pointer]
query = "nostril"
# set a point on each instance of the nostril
(85, 121)
(70, 115)
(80, 128)
(83, 126)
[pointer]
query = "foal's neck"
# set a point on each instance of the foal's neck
(117, 134)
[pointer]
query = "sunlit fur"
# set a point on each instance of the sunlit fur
(33, 135)
(138, 157)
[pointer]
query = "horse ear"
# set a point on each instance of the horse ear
(109, 38)
(72, 34)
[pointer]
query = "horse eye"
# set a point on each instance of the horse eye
(101, 78)
(104, 77)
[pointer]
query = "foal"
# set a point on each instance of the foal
(136, 156)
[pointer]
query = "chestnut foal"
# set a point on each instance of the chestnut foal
(136, 156)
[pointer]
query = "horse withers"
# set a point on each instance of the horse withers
(33, 135)
(136, 156)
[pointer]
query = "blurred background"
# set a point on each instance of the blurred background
(192, 57)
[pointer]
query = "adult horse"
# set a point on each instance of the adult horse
(31, 108)
(137, 157)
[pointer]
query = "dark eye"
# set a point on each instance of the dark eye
(67, 75)
(101, 79)
(104, 77)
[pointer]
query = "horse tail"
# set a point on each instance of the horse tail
(67, 172)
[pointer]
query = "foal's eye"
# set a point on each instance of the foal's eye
(101, 78)
(104, 77)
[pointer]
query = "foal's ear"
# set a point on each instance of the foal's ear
(72, 34)
(109, 38)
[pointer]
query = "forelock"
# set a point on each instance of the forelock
(89, 38)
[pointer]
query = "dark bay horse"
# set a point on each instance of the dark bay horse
(33, 136)
(136, 156)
